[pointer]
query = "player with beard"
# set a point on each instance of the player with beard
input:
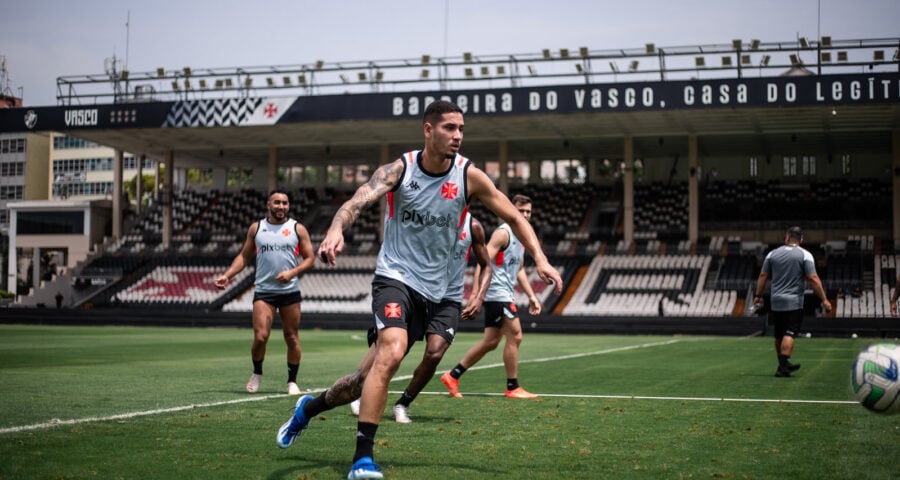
(283, 251)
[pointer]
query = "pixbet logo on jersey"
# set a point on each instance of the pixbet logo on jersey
(274, 248)
(426, 219)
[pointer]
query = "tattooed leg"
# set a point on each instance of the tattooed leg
(345, 390)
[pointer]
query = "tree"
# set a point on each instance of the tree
(146, 187)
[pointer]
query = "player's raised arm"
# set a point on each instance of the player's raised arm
(482, 188)
(383, 180)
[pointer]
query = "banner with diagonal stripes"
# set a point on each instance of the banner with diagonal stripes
(227, 112)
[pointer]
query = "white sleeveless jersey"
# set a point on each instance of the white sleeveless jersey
(421, 225)
(506, 270)
(456, 268)
(277, 250)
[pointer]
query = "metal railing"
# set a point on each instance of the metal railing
(470, 71)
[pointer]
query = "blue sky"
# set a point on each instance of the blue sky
(45, 39)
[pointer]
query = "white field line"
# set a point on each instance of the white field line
(644, 397)
(626, 397)
(126, 416)
(562, 357)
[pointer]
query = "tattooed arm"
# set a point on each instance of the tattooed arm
(383, 180)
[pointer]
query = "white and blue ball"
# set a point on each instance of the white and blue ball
(875, 378)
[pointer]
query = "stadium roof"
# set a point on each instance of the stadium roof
(851, 107)
(727, 130)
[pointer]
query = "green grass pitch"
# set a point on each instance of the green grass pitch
(169, 403)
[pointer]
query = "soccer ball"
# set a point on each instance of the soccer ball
(874, 378)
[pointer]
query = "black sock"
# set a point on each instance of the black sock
(365, 440)
(293, 369)
(783, 361)
(257, 367)
(457, 371)
(316, 406)
(405, 399)
(512, 383)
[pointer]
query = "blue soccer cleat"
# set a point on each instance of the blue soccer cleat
(365, 467)
(296, 424)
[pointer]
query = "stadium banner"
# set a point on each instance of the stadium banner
(830, 90)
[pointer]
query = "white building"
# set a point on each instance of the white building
(54, 168)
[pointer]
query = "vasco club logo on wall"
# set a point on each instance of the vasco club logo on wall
(30, 119)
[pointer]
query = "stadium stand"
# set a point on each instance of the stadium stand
(657, 275)
(839, 203)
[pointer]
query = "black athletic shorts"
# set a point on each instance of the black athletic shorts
(496, 312)
(394, 304)
(444, 322)
(278, 299)
(787, 324)
(444, 319)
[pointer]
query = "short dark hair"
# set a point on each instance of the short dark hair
(795, 232)
(281, 191)
(438, 108)
(519, 199)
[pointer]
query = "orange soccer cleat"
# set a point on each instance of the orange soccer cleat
(452, 385)
(520, 392)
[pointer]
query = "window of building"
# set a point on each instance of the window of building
(341, 176)
(49, 222)
(563, 171)
(12, 192)
(845, 164)
(492, 169)
(303, 176)
(754, 167)
(808, 164)
(239, 177)
(199, 177)
(129, 162)
(518, 172)
(12, 169)
(12, 145)
(790, 166)
(63, 142)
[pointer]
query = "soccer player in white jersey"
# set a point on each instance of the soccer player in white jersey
(427, 192)
(501, 318)
(442, 331)
(283, 251)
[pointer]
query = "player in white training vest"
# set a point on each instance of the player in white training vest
(283, 251)
(501, 318)
(442, 330)
(426, 192)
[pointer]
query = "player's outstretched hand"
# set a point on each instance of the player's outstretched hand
(332, 245)
(550, 276)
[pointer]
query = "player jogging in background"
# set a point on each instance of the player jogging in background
(283, 251)
(788, 267)
(500, 316)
